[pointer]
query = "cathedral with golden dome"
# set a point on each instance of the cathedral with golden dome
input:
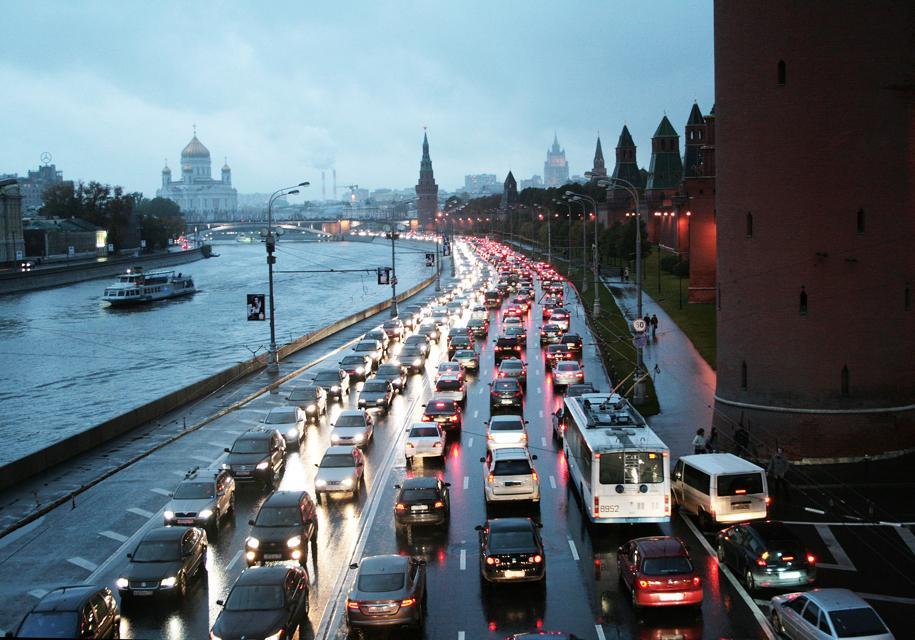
(200, 197)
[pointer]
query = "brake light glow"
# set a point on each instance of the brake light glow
(400, 506)
(491, 478)
(667, 505)
(491, 561)
(439, 405)
(768, 500)
(409, 602)
(437, 444)
(533, 475)
(439, 504)
(697, 581)
(352, 604)
(811, 559)
(762, 561)
(643, 583)
(537, 559)
(740, 492)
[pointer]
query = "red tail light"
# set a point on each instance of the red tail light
(740, 492)
(352, 604)
(697, 581)
(491, 561)
(643, 583)
(533, 476)
(439, 504)
(400, 506)
(811, 559)
(491, 477)
(761, 562)
(768, 500)
(437, 444)
(409, 602)
(427, 418)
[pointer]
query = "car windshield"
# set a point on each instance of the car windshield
(255, 597)
(350, 360)
(740, 484)
(328, 376)
(157, 551)
(50, 624)
(337, 461)
(631, 467)
(389, 370)
(567, 366)
(505, 540)
(511, 366)
(350, 420)
(278, 517)
(415, 495)
(194, 491)
(514, 331)
(280, 417)
(448, 385)
(855, 623)
(379, 582)
(391, 324)
(365, 346)
(379, 387)
(250, 445)
(309, 393)
(666, 566)
(423, 432)
(511, 468)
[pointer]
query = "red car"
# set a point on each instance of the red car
(659, 573)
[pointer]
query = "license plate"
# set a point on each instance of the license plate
(740, 507)
(185, 521)
(273, 556)
(243, 473)
(514, 574)
(506, 402)
(141, 593)
(790, 575)
(671, 597)
(420, 507)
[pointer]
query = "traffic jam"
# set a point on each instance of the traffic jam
(464, 470)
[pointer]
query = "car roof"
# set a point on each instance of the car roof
(836, 599)
(450, 377)
(420, 482)
(271, 574)
(720, 463)
(510, 453)
(70, 598)
(509, 524)
(384, 564)
(283, 499)
(507, 381)
(512, 362)
(661, 546)
(351, 412)
(165, 533)
(327, 372)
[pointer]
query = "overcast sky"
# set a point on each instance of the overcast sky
(285, 89)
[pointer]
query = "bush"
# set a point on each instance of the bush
(668, 263)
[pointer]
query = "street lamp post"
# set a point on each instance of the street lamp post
(273, 363)
(584, 241)
(594, 253)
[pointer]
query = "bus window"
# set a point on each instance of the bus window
(637, 467)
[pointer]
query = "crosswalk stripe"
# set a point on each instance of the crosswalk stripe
(843, 562)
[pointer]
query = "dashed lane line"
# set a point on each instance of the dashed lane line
(113, 535)
(162, 492)
(476, 413)
(842, 561)
(541, 413)
(88, 565)
(543, 442)
(460, 635)
(463, 560)
(574, 550)
(883, 598)
(233, 561)
(203, 459)
(907, 537)
(143, 513)
(470, 442)
(540, 390)
(466, 482)
(600, 632)
(552, 482)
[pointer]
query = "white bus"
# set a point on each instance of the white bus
(619, 466)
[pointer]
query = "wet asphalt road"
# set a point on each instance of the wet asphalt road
(89, 543)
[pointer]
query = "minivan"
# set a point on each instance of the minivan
(719, 488)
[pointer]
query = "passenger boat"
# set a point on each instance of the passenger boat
(138, 286)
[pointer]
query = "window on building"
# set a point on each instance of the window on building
(749, 224)
(845, 391)
(803, 300)
(743, 375)
(860, 221)
(781, 73)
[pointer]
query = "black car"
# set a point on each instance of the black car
(376, 394)
(257, 455)
(543, 635)
(311, 399)
(418, 339)
(395, 373)
(459, 342)
(80, 611)
(508, 347)
(265, 602)
(766, 554)
(573, 342)
(447, 413)
(575, 390)
(285, 524)
(163, 563)
(511, 551)
(422, 500)
(506, 393)
(357, 366)
(479, 327)
(334, 381)
(413, 357)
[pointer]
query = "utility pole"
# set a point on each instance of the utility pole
(393, 268)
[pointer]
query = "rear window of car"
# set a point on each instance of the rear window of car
(353, 360)
(506, 425)
(440, 406)
(389, 370)
(855, 623)
(327, 376)
(423, 432)
(376, 386)
(304, 394)
(567, 366)
(414, 495)
(511, 366)
(511, 468)
(50, 624)
(666, 566)
(380, 582)
(448, 385)
(740, 484)
(505, 385)
(511, 540)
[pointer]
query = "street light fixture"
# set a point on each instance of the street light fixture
(594, 258)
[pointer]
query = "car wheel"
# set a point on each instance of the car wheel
(635, 600)
(750, 581)
(776, 621)
(720, 553)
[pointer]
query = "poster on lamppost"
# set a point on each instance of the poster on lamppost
(256, 306)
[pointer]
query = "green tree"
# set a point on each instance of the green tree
(161, 220)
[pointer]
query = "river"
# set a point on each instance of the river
(68, 361)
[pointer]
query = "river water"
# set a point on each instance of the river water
(68, 361)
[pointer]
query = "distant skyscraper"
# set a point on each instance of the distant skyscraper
(481, 183)
(556, 167)
(197, 193)
(426, 189)
(599, 170)
(509, 191)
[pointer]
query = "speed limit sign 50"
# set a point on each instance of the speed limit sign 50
(639, 325)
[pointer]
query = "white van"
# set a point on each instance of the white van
(720, 487)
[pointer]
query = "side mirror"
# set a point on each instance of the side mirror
(171, 495)
(354, 565)
(479, 527)
(397, 486)
(317, 465)
(221, 603)
(129, 555)
(227, 450)
(447, 484)
(251, 522)
(527, 422)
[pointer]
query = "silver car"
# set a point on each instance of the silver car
(567, 372)
(290, 421)
(509, 476)
(506, 431)
(353, 427)
(424, 440)
(825, 614)
(341, 470)
(311, 399)
(202, 499)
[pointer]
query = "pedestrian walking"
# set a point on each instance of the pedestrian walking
(777, 470)
(711, 443)
(654, 325)
(647, 320)
(699, 442)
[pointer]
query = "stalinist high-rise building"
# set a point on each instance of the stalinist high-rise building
(426, 189)
(556, 167)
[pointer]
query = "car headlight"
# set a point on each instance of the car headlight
(360, 370)
(335, 438)
(169, 582)
(311, 408)
(276, 636)
(205, 514)
(347, 482)
(417, 362)
(320, 483)
(252, 543)
(358, 437)
(336, 387)
(122, 583)
(294, 542)
(293, 432)
(262, 465)
(169, 515)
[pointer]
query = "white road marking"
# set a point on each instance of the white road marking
(38, 593)
(896, 599)
(162, 492)
(574, 550)
(843, 562)
(476, 413)
(543, 442)
(466, 481)
(463, 560)
(541, 413)
(202, 459)
(234, 433)
(233, 561)
(480, 391)
(143, 513)
(552, 482)
(907, 537)
(600, 632)
(180, 473)
(83, 563)
(539, 389)
(113, 535)
(460, 635)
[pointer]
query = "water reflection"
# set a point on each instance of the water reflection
(513, 608)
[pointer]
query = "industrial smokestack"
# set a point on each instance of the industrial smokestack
(323, 187)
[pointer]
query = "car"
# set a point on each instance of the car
(567, 372)
(507, 347)
(357, 366)
(285, 524)
(766, 554)
(547, 308)
(418, 339)
(514, 310)
(479, 312)
(429, 329)
(562, 317)
(521, 300)
(511, 550)
(374, 349)
(202, 499)
(389, 591)
(556, 353)
(353, 427)
(413, 357)
(544, 635)
(506, 431)
(310, 398)
(441, 317)
(163, 562)
(468, 359)
(459, 342)
(451, 387)
(658, 572)
(513, 368)
(395, 373)
(455, 308)
(424, 440)
(257, 455)
(449, 367)
(394, 328)
(264, 602)
(516, 331)
(447, 413)
(422, 500)
(573, 342)
(479, 327)
(334, 381)
(512, 321)
(506, 393)
(575, 390)
(341, 469)
(376, 394)
(509, 476)
(379, 334)
(826, 613)
(78, 611)
(290, 421)
(550, 333)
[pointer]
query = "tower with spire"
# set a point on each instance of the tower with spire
(426, 189)
(599, 170)
(509, 191)
(695, 139)
(556, 167)
(666, 168)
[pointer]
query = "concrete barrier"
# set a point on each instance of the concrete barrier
(72, 446)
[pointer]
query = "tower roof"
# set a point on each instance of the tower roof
(625, 138)
(195, 149)
(510, 180)
(665, 129)
(598, 153)
(225, 166)
(695, 115)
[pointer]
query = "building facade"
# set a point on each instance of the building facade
(556, 167)
(481, 183)
(34, 184)
(200, 197)
(815, 201)
(12, 247)
(426, 189)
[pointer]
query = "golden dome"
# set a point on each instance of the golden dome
(195, 149)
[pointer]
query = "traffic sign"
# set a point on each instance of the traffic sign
(639, 325)
(384, 275)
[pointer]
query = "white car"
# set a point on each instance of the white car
(353, 427)
(424, 440)
(451, 387)
(290, 421)
(509, 476)
(479, 313)
(340, 469)
(567, 372)
(512, 321)
(506, 431)
(824, 614)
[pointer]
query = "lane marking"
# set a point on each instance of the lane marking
(460, 635)
(470, 442)
(113, 535)
(843, 562)
(180, 474)
(539, 389)
(600, 632)
(162, 492)
(38, 593)
(543, 442)
(480, 391)
(880, 523)
(574, 550)
(552, 482)
(466, 481)
(83, 563)
(233, 561)
(907, 537)
(463, 560)
(143, 513)
(761, 619)
(883, 598)
(541, 413)
(476, 413)
(202, 459)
